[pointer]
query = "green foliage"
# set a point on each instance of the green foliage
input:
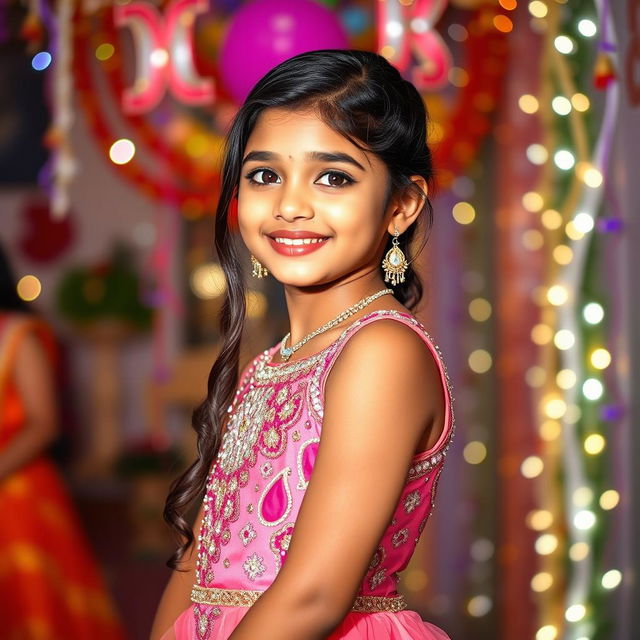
(111, 290)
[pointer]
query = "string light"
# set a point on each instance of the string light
(41, 60)
(593, 313)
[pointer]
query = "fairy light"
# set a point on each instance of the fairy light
(532, 467)
(537, 154)
(564, 44)
(580, 102)
(463, 213)
(555, 408)
(562, 254)
(29, 288)
(479, 606)
(541, 334)
(546, 544)
(548, 632)
(578, 551)
(564, 159)
(538, 9)
(541, 582)
(566, 379)
(551, 219)
(561, 105)
(480, 309)
(587, 28)
(475, 452)
(539, 520)
(592, 389)
(593, 313)
(583, 222)
(573, 233)
(600, 358)
(532, 201)
(594, 444)
(609, 499)
(122, 151)
(557, 294)
(528, 103)
(575, 612)
(584, 519)
(611, 579)
(480, 361)
(564, 339)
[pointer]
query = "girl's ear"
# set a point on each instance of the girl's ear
(408, 204)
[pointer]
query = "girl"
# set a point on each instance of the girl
(328, 167)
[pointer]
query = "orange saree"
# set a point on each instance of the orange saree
(50, 586)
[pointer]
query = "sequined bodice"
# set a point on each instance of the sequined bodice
(256, 487)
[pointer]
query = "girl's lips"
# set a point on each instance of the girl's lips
(296, 250)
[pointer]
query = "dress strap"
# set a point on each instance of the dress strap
(410, 321)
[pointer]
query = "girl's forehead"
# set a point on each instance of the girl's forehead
(294, 133)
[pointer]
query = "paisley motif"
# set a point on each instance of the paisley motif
(306, 460)
(275, 502)
(279, 543)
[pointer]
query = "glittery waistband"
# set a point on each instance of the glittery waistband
(245, 598)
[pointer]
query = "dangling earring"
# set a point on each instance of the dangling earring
(395, 262)
(258, 270)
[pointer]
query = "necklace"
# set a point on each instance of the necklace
(287, 352)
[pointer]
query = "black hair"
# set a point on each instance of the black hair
(363, 97)
(9, 298)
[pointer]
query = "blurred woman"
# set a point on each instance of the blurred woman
(50, 586)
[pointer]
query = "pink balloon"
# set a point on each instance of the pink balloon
(263, 33)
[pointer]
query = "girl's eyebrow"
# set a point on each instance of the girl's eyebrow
(318, 156)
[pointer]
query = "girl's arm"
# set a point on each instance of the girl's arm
(175, 598)
(383, 391)
(35, 381)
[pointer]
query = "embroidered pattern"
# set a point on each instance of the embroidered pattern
(377, 578)
(279, 543)
(247, 534)
(412, 501)
(400, 537)
(254, 566)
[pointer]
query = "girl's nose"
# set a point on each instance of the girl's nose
(293, 204)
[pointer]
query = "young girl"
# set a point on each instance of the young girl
(319, 462)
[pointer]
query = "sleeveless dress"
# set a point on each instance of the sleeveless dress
(257, 484)
(50, 584)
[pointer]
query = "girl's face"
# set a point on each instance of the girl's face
(298, 174)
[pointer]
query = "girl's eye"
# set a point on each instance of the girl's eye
(266, 176)
(336, 179)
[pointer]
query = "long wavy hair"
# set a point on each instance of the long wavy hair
(363, 97)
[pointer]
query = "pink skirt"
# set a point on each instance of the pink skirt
(404, 625)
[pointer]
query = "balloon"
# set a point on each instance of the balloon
(263, 33)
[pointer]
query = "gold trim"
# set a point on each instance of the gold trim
(246, 598)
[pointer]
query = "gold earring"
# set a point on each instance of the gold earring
(395, 262)
(258, 270)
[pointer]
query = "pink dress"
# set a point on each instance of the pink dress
(257, 484)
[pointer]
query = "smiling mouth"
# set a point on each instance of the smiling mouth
(297, 242)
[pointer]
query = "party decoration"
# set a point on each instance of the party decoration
(164, 54)
(407, 28)
(263, 33)
(44, 239)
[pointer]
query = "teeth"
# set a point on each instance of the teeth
(298, 241)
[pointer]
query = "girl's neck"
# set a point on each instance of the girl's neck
(310, 309)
